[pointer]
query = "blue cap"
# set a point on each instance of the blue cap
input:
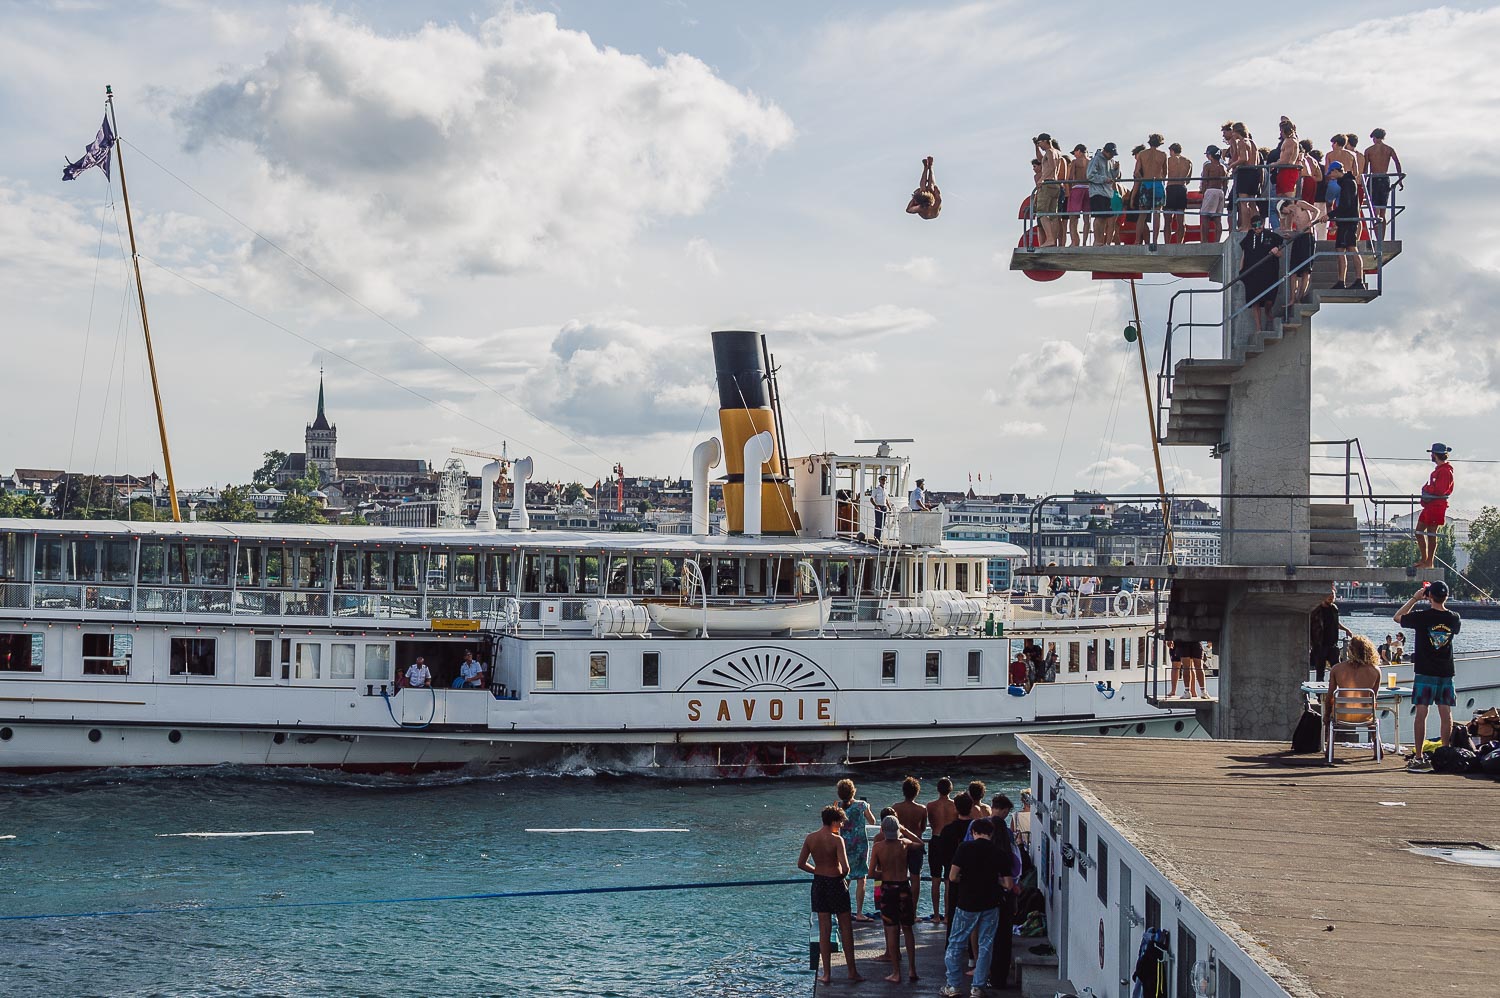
(1335, 166)
(1442, 450)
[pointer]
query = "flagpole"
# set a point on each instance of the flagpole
(140, 293)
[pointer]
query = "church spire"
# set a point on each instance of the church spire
(321, 423)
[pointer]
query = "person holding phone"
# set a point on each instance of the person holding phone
(1432, 664)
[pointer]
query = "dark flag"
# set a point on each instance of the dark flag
(97, 153)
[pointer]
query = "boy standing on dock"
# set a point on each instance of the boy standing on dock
(824, 856)
(1432, 664)
(940, 812)
(914, 817)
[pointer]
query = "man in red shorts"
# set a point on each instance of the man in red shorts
(1434, 505)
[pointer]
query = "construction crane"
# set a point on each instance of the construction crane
(619, 470)
(503, 457)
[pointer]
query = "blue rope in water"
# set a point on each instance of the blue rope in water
(487, 896)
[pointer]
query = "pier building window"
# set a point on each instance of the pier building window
(265, 650)
(1187, 955)
(107, 654)
(193, 656)
(643, 576)
(377, 570)
(932, 670)
(20, 653)
(544, 665)
(49, 559)
(1153, 911)
(1083, 847)
(650, 669)
(727, 576)
(341, 660)
(588, 573)
(599, 670)
(497, 573)
(976, 657)
(346, 570)
(378, 663)
(1103, 872)
(887, 668)
(406, 571)
(117, 561)
(1073, 656)
(465, 573)
(309, 660)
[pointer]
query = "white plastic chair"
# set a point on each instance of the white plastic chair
(1353, 710)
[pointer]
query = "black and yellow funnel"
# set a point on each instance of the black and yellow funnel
(746, 408)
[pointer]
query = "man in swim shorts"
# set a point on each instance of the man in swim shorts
(1432, 664)
(825, 857)
(1151, 194)
(1379, 158)
(1244, 166)
(1179, 169)
(1345, 213)
(898, 903)
(1048, 190)
(1434, 505)
(914, 817)
(940, 812)
(1078, 195)
(1212, 186)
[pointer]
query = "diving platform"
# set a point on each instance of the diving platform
(1207, 260)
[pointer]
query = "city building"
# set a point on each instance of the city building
(320, 450)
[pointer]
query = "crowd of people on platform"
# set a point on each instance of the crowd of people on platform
(1083, 199)
(981, 881)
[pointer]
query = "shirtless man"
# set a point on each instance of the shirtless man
(976, 794)
(1360, 670)
(1078, 195)
(898, 901)
(1179, 169)
(1151, 195)
(914, 817)
(926, 201)
(1048, 190)
(824, 856)
(1212, 186)
(1339, 152)
(1379, 158)
(940, 811)
(1244, 166)
(1288, 160)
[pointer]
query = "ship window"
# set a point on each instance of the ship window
(377, 570)
(543, 670)
(836, 579)
(107, 654)
(83, 560)
(248, 568)
(341, 661)
(437, 572)
(932, 672)
(276, 567)
(20, 653)
(1109, 656)
(976, 657)
(1229, 983)
(1140, 651)
(193, 656)
(559, 577)
(497, 573)
(265, 648)
(599, 670)
(309, 660)
(650, 669)
(888, 668)
(643, 576)
(346, 570)
(286, 658)
(116, 561)
(1073, 656)
(10, 566)
(961, 577)
(312, 568)
(531, 573)
(213, 564)
(49, 560)
(465, 573)
(755, 576)
(618, 583)
(727, 576)
(1093, 656)
(406, 571)
(588, 573)
(671, 576)
(1125, 656)
(378, 663)
(1153, 911)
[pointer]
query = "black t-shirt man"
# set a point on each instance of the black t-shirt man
(1433, 655)
(978, 887)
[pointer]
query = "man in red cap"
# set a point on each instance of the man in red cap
(1434, 505)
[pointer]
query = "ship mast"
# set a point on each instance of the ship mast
(140, 294)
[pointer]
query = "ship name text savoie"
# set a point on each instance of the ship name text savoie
(759, 709)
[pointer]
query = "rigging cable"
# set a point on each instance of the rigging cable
(1083, 364)
(83, 363)
(419, 342)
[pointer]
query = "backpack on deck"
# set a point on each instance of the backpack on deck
(1453, 760)
(1307, 735)
(1489, 763)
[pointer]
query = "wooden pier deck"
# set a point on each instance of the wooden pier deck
(1310, 867)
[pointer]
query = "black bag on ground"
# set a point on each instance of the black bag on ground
(1489, 763)
(1460, 738)
(1453, 760)
(1305, 738)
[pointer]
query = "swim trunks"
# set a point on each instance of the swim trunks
(1302, 251)
(1213, 202)
(1177, 198)
(1150, 195)
(1430, 691)
(898, 906)
(1380, 191)
(1433, 515)
(1247, 181)
(1286, 179)
(1099, 203)
(1309, 189)
(1046, 197)
(1348, 233)
(914, 860)
(830, 896)
(1078, 199)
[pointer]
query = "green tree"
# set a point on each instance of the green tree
(307, 484)
(1402, 553)
(643, 506)
(1484, 550)
(144, 511)
(298, 508)
(22, 505)
(266, 476)
(86, 497)
(355, 520)
(234, 506)
(572, 492)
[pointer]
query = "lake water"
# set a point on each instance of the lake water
(91, 842)
(1477, 635)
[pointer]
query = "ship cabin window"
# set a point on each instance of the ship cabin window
(1140, 651)
(247, 569)
(932, 670)
(598, 670)
(650, 670)
(20, 653)
(1073, 656)
(756, 570)
(10, 558)
(1125, 649)
(117, 558)
(213, 565)
(286, 658)
(1109, 655)
(919, 578)
(588, 573)
(465, 573)
(312, 568)
(497, 572)
(1093, 656)
(726, 576)
(887, 668)
(1083, 847)
(559, 573)
(193, 656)
(543, 670)
(617, 576)
(898, 581)
(836, 578)
(961, 576)
(378, 663)
(531, 573)
(1103, 862)
(643, 576)
(276, 575)
(437, 571)
(976, 658)
(346, 570)
(671, 576)
(265, 652)
(341, 660)
(309, 660)
(107, 654)
(406, 571)
(83, 560)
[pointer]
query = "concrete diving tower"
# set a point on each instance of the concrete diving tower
(1250, 401)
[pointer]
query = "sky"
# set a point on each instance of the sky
(515, 222)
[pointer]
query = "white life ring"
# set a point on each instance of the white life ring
(1062, 605)
(1123, 603)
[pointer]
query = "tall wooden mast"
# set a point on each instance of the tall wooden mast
(140, 294)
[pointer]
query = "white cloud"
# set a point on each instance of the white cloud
(700, 252)
(881, 320)
(922, 269)
(1019, 428)
(1112, 471)
(1052, 373)
(391, 160)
